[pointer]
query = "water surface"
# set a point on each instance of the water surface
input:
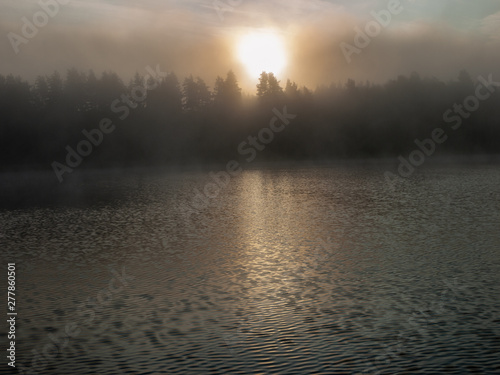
(321, 270)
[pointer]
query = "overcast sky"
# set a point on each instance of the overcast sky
(433, 37)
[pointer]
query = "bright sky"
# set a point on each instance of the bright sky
(433, 37)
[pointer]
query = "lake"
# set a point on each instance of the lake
(304, 270)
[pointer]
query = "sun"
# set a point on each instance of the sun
(262, 51)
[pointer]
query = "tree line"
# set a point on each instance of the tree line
(183, 122)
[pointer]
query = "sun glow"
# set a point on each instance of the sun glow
(262, 51)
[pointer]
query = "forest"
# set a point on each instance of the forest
(181, 122)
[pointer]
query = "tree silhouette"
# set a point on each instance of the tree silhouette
(227, 93)
(196, 94)
(188, 123)
(291, 89)
(269, 90)
(263, 85)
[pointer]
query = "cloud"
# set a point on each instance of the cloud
(490, 26)
(118, 38)
(188, 37)
(428, 47)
